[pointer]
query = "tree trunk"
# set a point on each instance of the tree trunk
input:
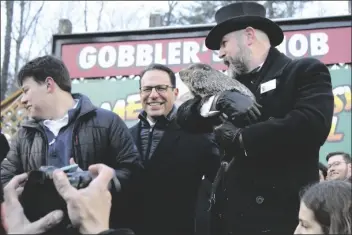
(290, 6)
(85, 16)
(7, 48)
(100, 15)
(20, 36)
(270, 11)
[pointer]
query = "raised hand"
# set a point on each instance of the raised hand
(88, 208)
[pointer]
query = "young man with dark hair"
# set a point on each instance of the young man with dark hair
(65, 128)
(174, 160)
(339, 165)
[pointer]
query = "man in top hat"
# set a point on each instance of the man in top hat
(277, 155)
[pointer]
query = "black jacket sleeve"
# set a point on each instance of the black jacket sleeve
(127, 156)
(307, 124)
(11, 164)
(4, 147)
(212, 157)
(122, 231)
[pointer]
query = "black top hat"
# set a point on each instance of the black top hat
(240, 15)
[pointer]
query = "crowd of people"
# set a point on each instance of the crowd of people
(204, 167)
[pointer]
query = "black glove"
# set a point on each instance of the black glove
(228, 138)
(189, 118)
(240, 109)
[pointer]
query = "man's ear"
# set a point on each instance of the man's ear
(50, 84)
(249, 34)
(176, 92)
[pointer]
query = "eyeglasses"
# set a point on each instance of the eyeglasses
(160, 89)
(334, 164)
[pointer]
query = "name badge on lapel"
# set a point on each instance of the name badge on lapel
(268, 86)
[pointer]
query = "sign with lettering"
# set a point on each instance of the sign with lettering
(330, 45)
(122, 97)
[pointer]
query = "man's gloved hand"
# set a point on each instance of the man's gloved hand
(189, 118)
(240, 109)
(227, 136)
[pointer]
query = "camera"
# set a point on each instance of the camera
(40, 197)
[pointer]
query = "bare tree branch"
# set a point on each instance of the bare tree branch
(20, 36)
(45, 48)
(100, 15)
(32, 40)
(27, 5)
(35, 18)
(132, 16)
(25, 25)
(112, 22)
(169, 14)
(85, 16)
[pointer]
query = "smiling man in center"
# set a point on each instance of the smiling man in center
(164, 195)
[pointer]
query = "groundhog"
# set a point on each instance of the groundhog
(203, 80)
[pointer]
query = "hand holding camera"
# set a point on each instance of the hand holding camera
(16, 220)
(88, 208)
(78, 199)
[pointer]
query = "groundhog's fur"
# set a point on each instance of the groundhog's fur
(203, 80)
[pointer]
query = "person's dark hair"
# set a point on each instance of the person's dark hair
(324, 169)
(46, 66)
(345, 156)
(161, 68)
(331, 204)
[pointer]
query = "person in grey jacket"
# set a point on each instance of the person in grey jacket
(65, 128)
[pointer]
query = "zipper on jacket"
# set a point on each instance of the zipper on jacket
(46, 141)
(240, 139)
(74, 136)
(149, 142)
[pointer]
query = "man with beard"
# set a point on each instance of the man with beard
(165, 193)
(259, 192)
(339, 166)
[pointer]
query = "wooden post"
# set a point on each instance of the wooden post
(65, 26)
(155, 20)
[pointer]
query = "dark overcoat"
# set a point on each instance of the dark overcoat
(163, 201)
(260, 192)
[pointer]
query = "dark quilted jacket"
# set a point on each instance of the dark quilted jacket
(99, 136)
(151, 136)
